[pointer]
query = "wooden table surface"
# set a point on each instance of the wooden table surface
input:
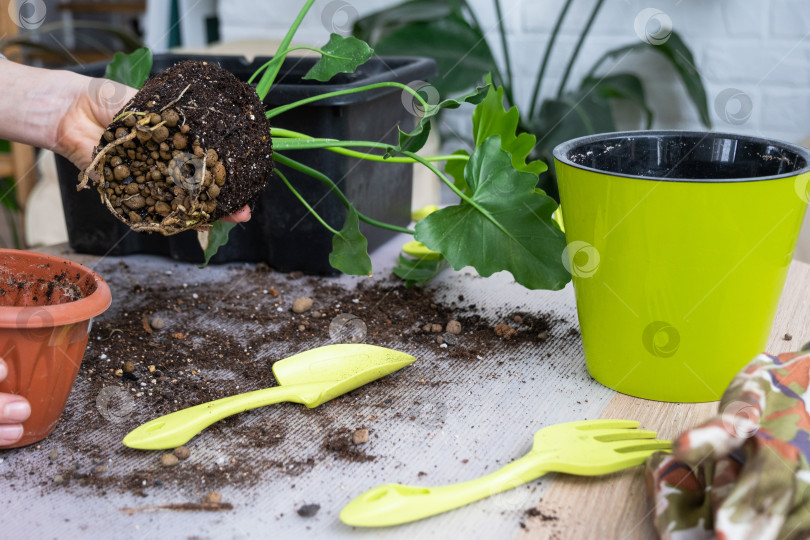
(617, 506)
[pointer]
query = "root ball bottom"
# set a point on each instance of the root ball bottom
(192, 146)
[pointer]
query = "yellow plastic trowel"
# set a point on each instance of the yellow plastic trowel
(311, 378)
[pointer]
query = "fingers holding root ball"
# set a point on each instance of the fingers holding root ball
(240, 216)
(192, 147)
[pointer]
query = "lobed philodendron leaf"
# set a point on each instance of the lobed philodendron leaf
(130, 69)
(455, 169)
(490, 118)
(416, 139)
(350, 248)
(339, 55)
(507, 224)
(217, 237)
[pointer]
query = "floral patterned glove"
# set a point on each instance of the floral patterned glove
(744, 473)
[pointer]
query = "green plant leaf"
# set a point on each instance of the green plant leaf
(417, 271)
(416, 139)
(386, 21)
(491, 118)
(217, 237)
(8, 195)
(455, 168)
(676, 51)
(680, 56)
(339, 55)
(620, 86)
(130, 69)
(461, 51)
(508, 226)
(577, 113)
(350, 248)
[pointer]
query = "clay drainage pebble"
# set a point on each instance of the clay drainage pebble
(505, 331)
(213, 497)
(360, 436)
(453, 327)
(181, 452)
(300, 305)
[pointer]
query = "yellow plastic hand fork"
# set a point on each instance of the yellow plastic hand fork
(311, 377)
(588, 448)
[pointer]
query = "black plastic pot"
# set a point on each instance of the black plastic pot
(281, 232)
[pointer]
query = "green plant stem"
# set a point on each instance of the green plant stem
(578, 46)
(280, 58)
(507, 61)
(270, 75)
(284, 108)
(337, 147)
(484, 212)
(305, 203)
(552, 40)
(300, 167)
(286, 140)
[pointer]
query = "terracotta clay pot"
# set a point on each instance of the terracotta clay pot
(46, 308)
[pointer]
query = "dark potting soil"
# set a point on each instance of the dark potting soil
(178, 362)
(547, 518)
(16, 291)
(192, 146)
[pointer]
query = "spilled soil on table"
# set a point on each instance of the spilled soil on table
(167, 345)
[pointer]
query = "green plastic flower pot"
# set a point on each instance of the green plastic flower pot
(679, 244)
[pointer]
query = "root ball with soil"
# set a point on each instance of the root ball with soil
(192, 146)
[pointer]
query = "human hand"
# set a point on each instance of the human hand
(94, 104)
(13, 410)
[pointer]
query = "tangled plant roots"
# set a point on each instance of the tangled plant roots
(191, 147)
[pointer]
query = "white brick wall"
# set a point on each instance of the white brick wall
(759, 47)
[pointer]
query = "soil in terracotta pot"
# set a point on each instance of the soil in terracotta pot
(25, 290)
(191, 147)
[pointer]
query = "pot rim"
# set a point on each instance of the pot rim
(560, 154)
(60, 314)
